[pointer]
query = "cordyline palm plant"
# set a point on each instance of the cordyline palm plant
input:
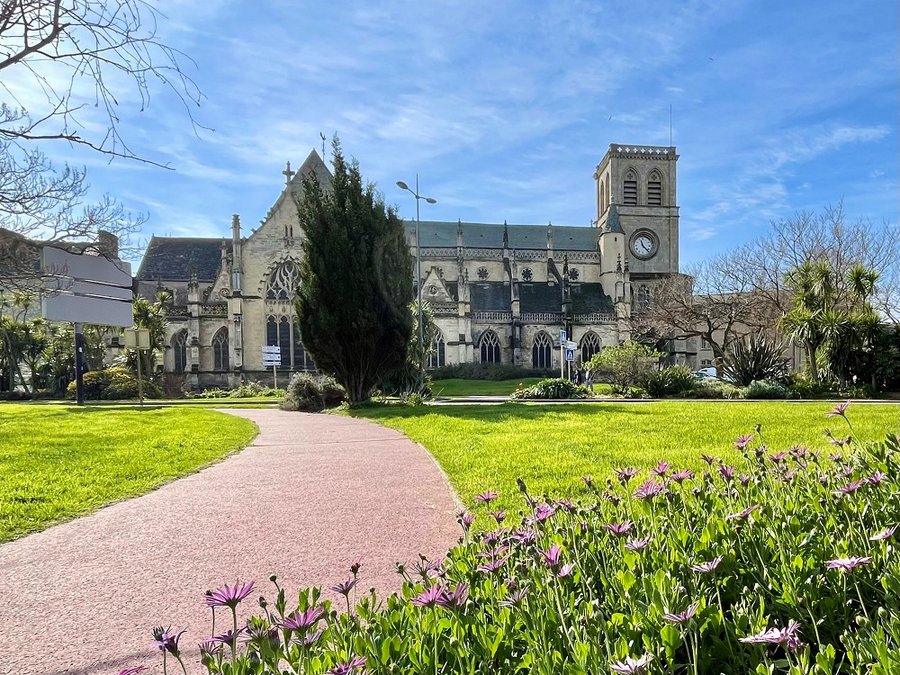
(831, 318)
(754, 357)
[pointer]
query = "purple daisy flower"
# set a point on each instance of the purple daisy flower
(847, 565)
(709, 459)
(708, 566)
(683, 617)
(465, 519)
(649, 489)
(423, 567)
(726, 471)
(543, 512)
(344, 587)
(744, 480)
(492, 566)
(849, 488)
(301, 621)
(740, 515)
(743, 441)
(632, 666)
(552, 556)
(619, 529)
(886, 533)
(524, 537)
(229, 596)
(493, 553)
(638, 544)
(431, 597)
(499, 516)
(787, 636)
(661, 469)
(567, 504)
(229, 637)
(839, 410)
(456, 598)
(166, 640)
(876, 478)
(565, 570)
(492, 537)
(309, 638)
(778, 457)
(486, 497)
(627, 473)
(354, 664)
(515, 598)
(840, 442)
(683, 475)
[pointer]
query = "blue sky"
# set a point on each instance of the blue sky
(505, 108)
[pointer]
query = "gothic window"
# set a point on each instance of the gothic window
(282, 331)
(437, 357)
(527, 274)
(590, 345)
(284, 281)
(602, 197)
(179, 350)
(483, 273)
(630, 188)
(654, 189)
(220, 350)
(490, 347)
(643, 298)
(542, 352)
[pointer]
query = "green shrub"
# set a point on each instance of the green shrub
(766, 389)
(624, 366)
(755, 357)
(486, 371)
(710, 388)
(802, 386)
(112, 384)
(552, 388)
(312, 393)
(668, 381)
(246, 390)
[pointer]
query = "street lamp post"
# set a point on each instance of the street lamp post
(415, 193)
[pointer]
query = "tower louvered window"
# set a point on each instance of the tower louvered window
(629, 196)
(654, 190)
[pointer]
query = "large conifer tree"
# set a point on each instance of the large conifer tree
(355, 280)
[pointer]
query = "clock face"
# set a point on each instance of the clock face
(643, 245)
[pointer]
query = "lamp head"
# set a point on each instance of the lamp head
(430, 200)
(402, 185)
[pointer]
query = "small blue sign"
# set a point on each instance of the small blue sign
(563, 336)
(570, 355)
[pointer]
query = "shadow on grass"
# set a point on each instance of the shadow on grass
(495, 413)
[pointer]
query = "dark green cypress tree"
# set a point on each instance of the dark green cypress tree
(356, 280)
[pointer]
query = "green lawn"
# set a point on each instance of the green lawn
(455, 387)
(552, 446)
(57, 462)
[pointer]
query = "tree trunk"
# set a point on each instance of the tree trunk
(813, 368)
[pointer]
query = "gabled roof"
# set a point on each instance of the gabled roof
(490, 235)
(178, 258)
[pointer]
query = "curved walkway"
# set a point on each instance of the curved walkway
(312, 494)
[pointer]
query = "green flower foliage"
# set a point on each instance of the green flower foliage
(784, 564)
(553, 388)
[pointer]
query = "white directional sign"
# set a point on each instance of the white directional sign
(571, 345)
(271, 355)
(86, 288)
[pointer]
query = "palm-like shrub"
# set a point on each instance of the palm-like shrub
(754, 357)
(667, 381)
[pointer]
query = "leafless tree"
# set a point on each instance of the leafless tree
(61, 61)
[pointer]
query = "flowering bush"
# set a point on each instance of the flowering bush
(552, 388)
(784, 564)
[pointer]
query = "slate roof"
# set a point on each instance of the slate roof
(589, 299)
(539, 297)
(490, 235)
(490, 296)
(177, 258)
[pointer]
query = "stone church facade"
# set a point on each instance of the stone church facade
(500, 293)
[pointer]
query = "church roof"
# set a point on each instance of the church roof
(490, 235)
(177, 258)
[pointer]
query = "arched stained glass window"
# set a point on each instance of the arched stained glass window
(590, 345)
(284, 281)
(283, 332)
(220, 350)
(489, 346)
(179, 350)
(542, 352)
(437, 357)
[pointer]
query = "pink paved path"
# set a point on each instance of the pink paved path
(309, 496)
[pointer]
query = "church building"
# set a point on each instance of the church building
(500, 293)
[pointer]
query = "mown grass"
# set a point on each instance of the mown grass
(552, 446)
(454, 387)
(57, 462)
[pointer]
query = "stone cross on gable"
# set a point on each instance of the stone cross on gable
(288, 174)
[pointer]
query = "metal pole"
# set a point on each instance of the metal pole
(140, 378)
(275, 377)
(419, 292)
(79, 364)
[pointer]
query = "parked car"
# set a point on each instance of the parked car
(705, 373)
